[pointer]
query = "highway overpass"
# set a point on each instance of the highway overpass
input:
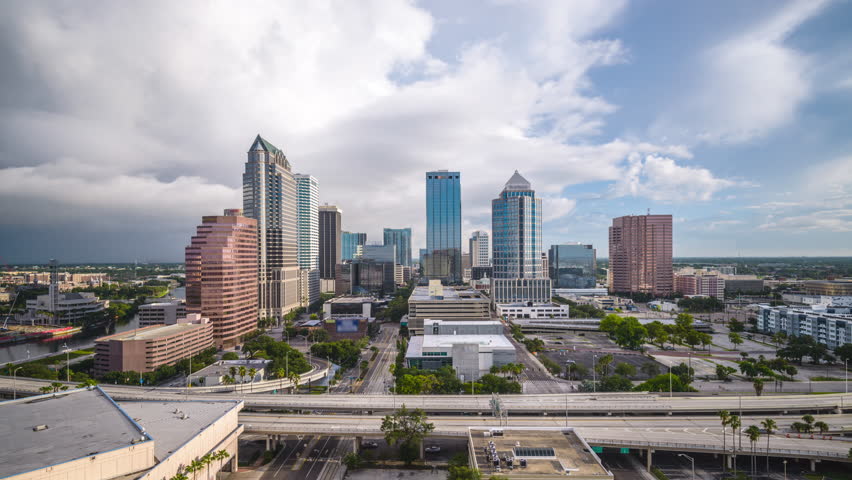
(682, 434)
(614, 404)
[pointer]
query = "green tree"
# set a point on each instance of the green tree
(684, 372)
(625, 369)
(736, 339)
(724, 373)
(821, 426)
(615, 383)
(89, 382)
(353, 461)
(230, 356)
(603, 363)
(660, 383)
(463, 472)
(629, 333)
(407, 428)
(736, 326)
(844, 353)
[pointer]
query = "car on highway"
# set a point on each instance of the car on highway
(369, 445)
(432, 449)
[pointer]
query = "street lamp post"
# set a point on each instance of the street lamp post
(692, 460)
(15, 383)
(594, 374)
(670, 380)
(846, 368)
(67, 362)
(785, 469)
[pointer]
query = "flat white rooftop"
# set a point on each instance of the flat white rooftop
(79, 424)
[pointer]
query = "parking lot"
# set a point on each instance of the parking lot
(582, 347)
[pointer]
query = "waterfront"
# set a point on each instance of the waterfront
(21, 351)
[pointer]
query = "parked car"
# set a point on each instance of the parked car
(432, 449)
(369, 445)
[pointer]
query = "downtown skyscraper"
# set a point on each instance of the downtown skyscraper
(401, 238)
(307, 233)
(269, 196)
(330, 241)
(443, 227)
(516, 227)
(480, 250)
(640, 254)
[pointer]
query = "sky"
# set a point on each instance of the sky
(122, 123)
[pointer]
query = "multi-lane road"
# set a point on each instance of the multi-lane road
(378, 376)
(307, 457)
(616, 404)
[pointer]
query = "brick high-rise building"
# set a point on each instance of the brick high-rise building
(221, 276)
(640, 254)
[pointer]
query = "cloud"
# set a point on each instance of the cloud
(747, 85)
(133, 114)
(661, 179)
(824, 220)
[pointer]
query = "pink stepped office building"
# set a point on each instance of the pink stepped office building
(221, 275)
(640, 254)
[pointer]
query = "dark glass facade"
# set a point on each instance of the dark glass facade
(401, 238)
(572, 266)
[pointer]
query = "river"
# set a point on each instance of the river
(22, 351)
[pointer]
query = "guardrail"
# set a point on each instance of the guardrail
(715, 448)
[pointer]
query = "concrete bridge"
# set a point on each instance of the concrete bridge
(646, 434)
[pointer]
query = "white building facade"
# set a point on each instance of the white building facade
(307, 235)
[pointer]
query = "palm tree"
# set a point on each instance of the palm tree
(221, 455)
(194, 467)
(809, 421)
(252, 372)
(753, 434)
(758, 386)
(294, 378)
(769, 425)
(56, 386)
(725, 417)
(281, 373)
(46, 389)
(233, 371)
(179, 476)
(242, 371)
(735, 423)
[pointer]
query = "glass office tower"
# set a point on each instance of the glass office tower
(401, 238)
(352, 244)
(516, 229)
(572, 266)
(443, 226)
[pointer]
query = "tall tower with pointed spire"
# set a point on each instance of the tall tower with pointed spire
(516, 229)
(269, 196)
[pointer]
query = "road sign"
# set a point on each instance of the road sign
(625, 450)
(597, 449)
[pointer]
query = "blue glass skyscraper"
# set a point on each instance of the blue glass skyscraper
(443, 226)
(516, 230)
(351, 243)
(401, 238)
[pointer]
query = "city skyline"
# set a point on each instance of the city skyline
(736, 132)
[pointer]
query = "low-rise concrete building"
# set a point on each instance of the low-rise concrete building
(86, 435)
(471, 348)
(213, 375)
(148, 348)
(348, 305)
(161, 313)
(708, 285)
(446, 303)
(532, 310)
(531, 453)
